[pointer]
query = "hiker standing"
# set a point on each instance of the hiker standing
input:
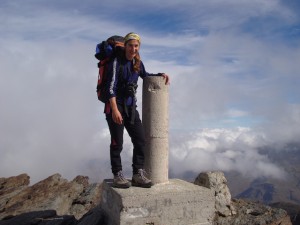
(123, 74)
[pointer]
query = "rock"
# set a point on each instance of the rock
(217, 182)
(54, 193)
(293, 210)
(95, 216)
(248, 212)
(47, 217)
(9, 187)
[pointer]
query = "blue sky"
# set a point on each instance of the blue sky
(234, 68)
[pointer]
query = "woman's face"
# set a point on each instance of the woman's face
(131, 49)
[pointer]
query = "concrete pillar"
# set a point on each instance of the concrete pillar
(156, 124)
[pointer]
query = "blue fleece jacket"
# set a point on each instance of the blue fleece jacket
(128, 76)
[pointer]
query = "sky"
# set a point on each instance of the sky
(234, 69)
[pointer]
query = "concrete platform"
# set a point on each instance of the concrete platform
(174, 203)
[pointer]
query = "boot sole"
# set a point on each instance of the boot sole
(123, 186)
(141, 185)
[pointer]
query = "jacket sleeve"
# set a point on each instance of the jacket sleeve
(143, 72)
(112, 78)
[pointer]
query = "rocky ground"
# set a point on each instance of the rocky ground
(249, 212)
(54, 193)
(57, 201)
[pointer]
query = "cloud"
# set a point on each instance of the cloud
(222, 149)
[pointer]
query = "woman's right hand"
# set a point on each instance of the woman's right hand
(116, 115)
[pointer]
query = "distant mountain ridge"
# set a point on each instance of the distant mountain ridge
(266, 189)
(283, 193)
(263, 192)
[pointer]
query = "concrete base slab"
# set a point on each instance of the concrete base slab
(174, 203)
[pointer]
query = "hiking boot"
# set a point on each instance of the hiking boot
(120, 181)
(140, 180)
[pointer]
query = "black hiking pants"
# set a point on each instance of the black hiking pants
(136, 133)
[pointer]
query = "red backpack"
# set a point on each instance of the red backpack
(106, 51)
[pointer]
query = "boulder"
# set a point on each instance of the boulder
(53, 193)
(218, 183)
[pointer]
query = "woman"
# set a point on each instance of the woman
(123, 73)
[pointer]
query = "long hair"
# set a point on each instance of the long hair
(137, 63)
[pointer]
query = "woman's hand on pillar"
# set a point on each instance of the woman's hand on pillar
(167, 78)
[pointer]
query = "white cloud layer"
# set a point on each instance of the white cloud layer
(222, 149)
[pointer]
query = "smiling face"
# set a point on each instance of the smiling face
(131, 49)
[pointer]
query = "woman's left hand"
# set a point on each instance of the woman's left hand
(166, 77)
